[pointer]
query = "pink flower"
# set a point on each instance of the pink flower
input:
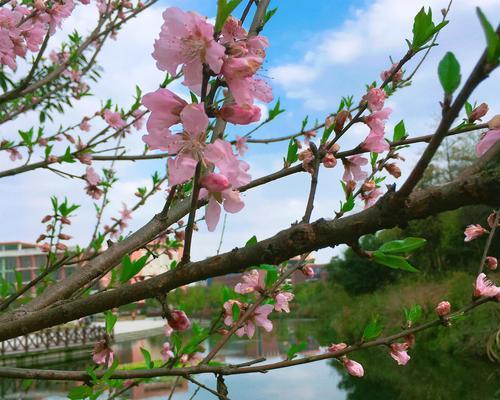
(139, 118)
(14, 154)
(166, 352)
(84, 125)
(308, 271)
(125, 213)
(191, 359)
(232, 30)
(352, 168)
(252, 281)
(484, 287)
(168, 330)
(215, 183)
(91, 176)
(397, 76)
(371, 197)
(487, 142)
(443, 308)
(376, 143)
(187, 39)
(179, 321)
(333, 348)
(165, 107)
(281, 301)
(241, 145)
(238, 73)
(399, 353)
(473, 232)
(491, 219)
(189, 145)
(259, 318)
(240, 114)
(478, 112)
(102, 354)
(231, 201)
(113, 119)
(221, 154)
(353, 368)
(329, 160)
(492, 263)
(375, 98)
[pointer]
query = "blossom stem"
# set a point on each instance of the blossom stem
(186, 253)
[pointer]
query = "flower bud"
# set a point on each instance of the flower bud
(61, 246)
(178, 320)
(47, 218)
(478, 112)
(214, 182)
(354, 368)
(443, 308)
(333, 348)
(63, 236)
(41, 237)
(340, 120)
(329, 161)
(393, 169)
(368, 186)
(492, 263)
(65, 220)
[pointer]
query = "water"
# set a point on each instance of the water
(429, 375)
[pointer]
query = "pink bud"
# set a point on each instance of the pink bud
(478, 112)
(473, 232)
(236, 114)
(47, 218)
(333, 348)
(354, 368)
(491, 219)
(178, 320)
(443, 308)
(215, 183)
(308, 271)
(63, 236)
(62, 247)
(492, 263)
(329, 161)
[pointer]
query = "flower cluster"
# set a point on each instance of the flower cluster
(20, 33)
(187, 40)
(254, 282)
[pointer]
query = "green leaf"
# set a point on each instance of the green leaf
(194, 99)
(292, 155)
(399, 131)
(147, 358)
(269, 15)
(224, 10)
(271, 277)
(449, 73)
(349, 204)
(414, 313)
(251, 242)
(275, 111)
(468, 109)
(131, 268)
(235, 312)
(226, 294)
(110, 321)
(294, 349)
(80, 392)
(391, 261)
(372, 330)
(67, 157)
(326, 133)
(424, 28)
(402, 246)
(26, 384)
(492, 39)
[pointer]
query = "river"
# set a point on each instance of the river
(436, 377)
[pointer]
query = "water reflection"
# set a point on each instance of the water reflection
(442, 377)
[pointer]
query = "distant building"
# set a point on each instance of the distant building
(26, 259)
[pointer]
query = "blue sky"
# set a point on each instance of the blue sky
(320, 50)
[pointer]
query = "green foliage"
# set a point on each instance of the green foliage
(392, 261)
(405, 245)
(147, 358)
(399, 131)
(110, 319)
(224, 10)
(131, 268)
(424, 29)
(275, 111)
(373, 330)
(291, 155)
(294, 349)
(449, 73)
(492, 39)
(251, 242)
(413, 314)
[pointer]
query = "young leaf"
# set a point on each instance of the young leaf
(224, 10)
(402, 246)
(251, 242)
(449, 73)
(492, 39)
(271, 277)
(291, 155)
(294, 349)
(110, 321)
(399, 131)
(349, 204)
(147, 358)
(391, 261)
(414, 313)
(235, 312)
(372, 330)
(131, 268)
